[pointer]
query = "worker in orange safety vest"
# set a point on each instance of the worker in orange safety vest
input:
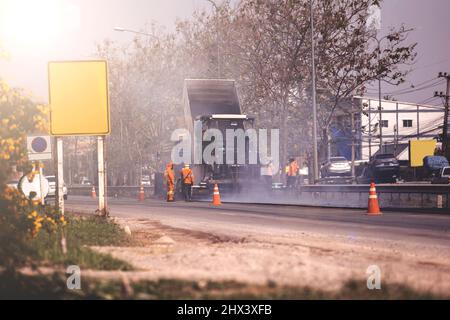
(187, 181)
(169, 176)
(292, 171)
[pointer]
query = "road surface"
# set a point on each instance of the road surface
(319, 247)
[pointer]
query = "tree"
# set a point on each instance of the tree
(265, 46)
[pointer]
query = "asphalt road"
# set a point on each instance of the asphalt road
(234, 218)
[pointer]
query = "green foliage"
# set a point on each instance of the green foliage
(266, 47)
(54, 287)
(14, 234)
(81, 233)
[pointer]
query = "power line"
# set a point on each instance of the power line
(414, 88)
(430, 65)
(428, 100)
(407, 91)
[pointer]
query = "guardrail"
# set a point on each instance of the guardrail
(392, 196)
(112, 191)
(399, 196)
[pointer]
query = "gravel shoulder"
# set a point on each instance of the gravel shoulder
(255, 255)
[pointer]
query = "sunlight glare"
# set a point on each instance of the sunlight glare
(29, 24)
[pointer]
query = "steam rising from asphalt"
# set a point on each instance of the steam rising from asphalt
(303, 195)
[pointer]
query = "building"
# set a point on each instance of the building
(400, 121)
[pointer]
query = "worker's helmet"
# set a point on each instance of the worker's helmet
(186, 166)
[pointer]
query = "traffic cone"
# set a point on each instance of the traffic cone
(373, 209)
(93, 194)
(141, 194)
(216, 196)
(170, 196)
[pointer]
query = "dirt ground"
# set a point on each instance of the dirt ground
(316, 260)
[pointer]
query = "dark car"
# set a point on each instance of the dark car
(443, 177)
(432, 165)
(384, 167)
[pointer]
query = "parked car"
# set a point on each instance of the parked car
(52, 188)
(443, 177)
(335, 167)
(384, 167)
(85, 182)
(145, 180)
(13, 184)
(432, 165)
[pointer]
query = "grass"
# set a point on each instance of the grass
(54, 287)
(81, 233)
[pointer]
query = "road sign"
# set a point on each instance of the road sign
(34, 186)
(78, 94)
(419, 149)
(39, 148)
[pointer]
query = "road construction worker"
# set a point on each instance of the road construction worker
(267, 173)
(292, 173)
(187, 180)
(169, 176)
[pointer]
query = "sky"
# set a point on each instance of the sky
(76, 26)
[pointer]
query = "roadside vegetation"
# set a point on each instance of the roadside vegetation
(80, 233)
(31, 235)
(54, 287)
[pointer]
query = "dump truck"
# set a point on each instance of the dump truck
(215, 104)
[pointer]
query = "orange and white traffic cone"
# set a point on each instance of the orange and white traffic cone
(373, 209)
(216, 196)
(141, 194)
(93, 194)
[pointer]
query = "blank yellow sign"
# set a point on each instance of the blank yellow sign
(419, 149)
(78, 93)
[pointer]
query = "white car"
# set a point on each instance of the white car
(52, 189)
(336, 166)
(13, 184)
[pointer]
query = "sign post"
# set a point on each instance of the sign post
(41, 182)
(79, 106)
(101, 176)
(39, 148)
(60, 174)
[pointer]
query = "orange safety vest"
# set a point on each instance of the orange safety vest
(170, 175)
(187, 175)
(293, 169)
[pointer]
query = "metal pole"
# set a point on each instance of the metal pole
(370, 129)
(41, 182)
(396, 128)
(445, 147)
(60, 174)
(101, 176)
(218, 43)
(418, 123)
(379, 99)
(314, 105)
(353, 143)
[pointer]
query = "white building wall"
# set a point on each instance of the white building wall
(426, 120)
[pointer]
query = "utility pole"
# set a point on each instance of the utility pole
(445, 142)
(314, 104)
(352, 114)
(216, 7)
(380, 112)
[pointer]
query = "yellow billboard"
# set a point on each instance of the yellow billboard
(78, 95)
(419, 149)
